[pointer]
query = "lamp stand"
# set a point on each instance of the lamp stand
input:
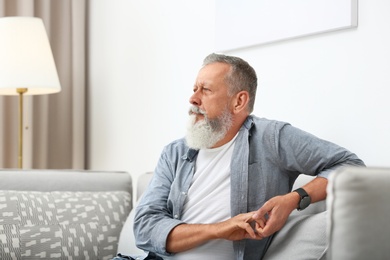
(21, 91)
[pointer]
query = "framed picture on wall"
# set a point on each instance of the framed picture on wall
(246, 23)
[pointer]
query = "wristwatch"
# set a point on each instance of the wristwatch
(305, 200)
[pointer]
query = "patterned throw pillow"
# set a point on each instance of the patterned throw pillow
(61, 225)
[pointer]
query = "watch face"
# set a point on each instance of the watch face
(304, 203)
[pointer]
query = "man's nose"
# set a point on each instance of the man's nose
(195, 99)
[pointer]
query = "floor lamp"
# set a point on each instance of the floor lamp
(26, 63)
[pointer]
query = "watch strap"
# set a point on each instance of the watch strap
(302, 193)
(305, 200)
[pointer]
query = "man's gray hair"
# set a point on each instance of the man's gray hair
(241, 77)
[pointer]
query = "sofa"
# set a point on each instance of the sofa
(54, 214)
(62, 214)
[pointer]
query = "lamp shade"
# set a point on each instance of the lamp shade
(26, 59)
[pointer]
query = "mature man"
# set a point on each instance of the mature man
(224, 190)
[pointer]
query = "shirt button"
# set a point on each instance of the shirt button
(183, 193)
(176, 216)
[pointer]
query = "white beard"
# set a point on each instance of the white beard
(206, 133)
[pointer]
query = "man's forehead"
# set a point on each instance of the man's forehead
(213, 70)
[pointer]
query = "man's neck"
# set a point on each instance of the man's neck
(236, 126)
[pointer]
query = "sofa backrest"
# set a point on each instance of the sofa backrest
(65, 180)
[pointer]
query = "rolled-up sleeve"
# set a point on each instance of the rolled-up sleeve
(156, 214)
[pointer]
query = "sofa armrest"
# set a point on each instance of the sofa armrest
(359, 213)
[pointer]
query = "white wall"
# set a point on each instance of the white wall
(144, 57)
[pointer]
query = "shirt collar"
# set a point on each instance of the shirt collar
(248, 123)
(190, 154)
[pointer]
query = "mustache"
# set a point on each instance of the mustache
(196, 110)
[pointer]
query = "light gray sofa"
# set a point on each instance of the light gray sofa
(62, 214)
(352, 224)
(46, 214)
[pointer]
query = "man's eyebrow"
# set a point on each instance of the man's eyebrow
(199, 84)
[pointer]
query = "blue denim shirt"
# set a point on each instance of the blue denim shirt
(268, 157)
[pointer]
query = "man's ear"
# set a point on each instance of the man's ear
(240, 102)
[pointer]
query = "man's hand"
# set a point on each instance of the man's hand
(272, 216)
(237, 228)
(186, 236)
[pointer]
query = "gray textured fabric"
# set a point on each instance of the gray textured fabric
(359, 213)
(302, 238)
(64, 180)
(61, 225)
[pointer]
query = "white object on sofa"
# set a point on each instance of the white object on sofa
(359, 213)
(126, 245)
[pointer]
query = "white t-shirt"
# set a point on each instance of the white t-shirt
(208, 201)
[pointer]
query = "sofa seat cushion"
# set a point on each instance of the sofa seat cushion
(61, 225)
(303, 237)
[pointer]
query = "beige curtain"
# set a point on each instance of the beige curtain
(54, 125)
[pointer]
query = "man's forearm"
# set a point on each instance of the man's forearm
(316, 189)
(186, 236)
